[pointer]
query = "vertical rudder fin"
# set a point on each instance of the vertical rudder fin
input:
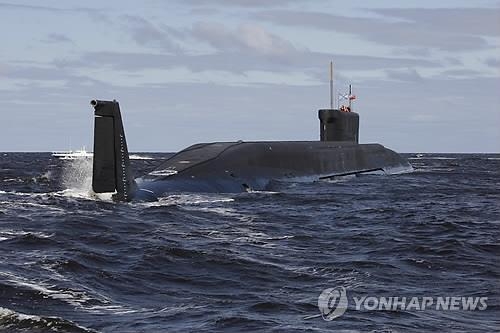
(111, 166)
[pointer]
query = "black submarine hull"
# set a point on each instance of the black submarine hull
(227, 167)
(230, 167)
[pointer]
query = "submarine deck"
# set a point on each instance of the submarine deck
(286, 155)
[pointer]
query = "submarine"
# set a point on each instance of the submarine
(240, 166)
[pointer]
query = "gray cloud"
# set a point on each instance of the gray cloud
(244, 48)
(91, 11)
(247, 47)
(97, 15)
(145, 33)
(165, 113)
(247, 37)
(492, 62)
(240, 62)
(419, 29)
(36, 73)
(58, 38)
(460, 73)
(407, 74)
(29, 7)
(466, 21)
(453, 61)
(241, 3)
(414, 51)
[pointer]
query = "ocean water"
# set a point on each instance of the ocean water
(74, 262)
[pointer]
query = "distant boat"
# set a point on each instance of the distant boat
(83, 154)
(73, 154)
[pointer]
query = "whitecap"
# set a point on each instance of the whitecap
(10, 234)
(402, 169)
(187, 199)
(139, 157)
(7, 315)
(83, 299)
(432, 158)
(79, 193)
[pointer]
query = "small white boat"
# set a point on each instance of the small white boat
(73, 154)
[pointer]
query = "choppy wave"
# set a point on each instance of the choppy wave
(71, 261)
(12, 321)
(432, 158)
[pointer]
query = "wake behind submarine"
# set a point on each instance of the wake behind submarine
(231, 167)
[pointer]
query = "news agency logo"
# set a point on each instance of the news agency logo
(333, 303)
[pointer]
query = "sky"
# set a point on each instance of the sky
(426, 73)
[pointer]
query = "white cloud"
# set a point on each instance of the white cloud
(257, 38)
(247, 37)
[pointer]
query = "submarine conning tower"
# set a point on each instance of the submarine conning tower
(336, 125)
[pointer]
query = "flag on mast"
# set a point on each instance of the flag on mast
(351, 96)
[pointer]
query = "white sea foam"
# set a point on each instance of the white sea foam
(261, 192)
(77, 181)
(10, 315)
(188, 199)
(76, 298)
(139, 157)
(201, 202)
(24, 204)
(223, 211)
(80, 193)
(8, 180)
(25, 194)
(402, 169)
(260, 239)
(432, 169)
(84, 299)
(19, 316)
(77, 175)
(432, 158)
(84, 194)
(166, 172)
(9, 234)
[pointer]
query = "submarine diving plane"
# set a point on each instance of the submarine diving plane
(229, 167)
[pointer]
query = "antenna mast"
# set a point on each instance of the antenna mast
(331, 84)
(349, 97)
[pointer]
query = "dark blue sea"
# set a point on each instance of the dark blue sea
(250, 262)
